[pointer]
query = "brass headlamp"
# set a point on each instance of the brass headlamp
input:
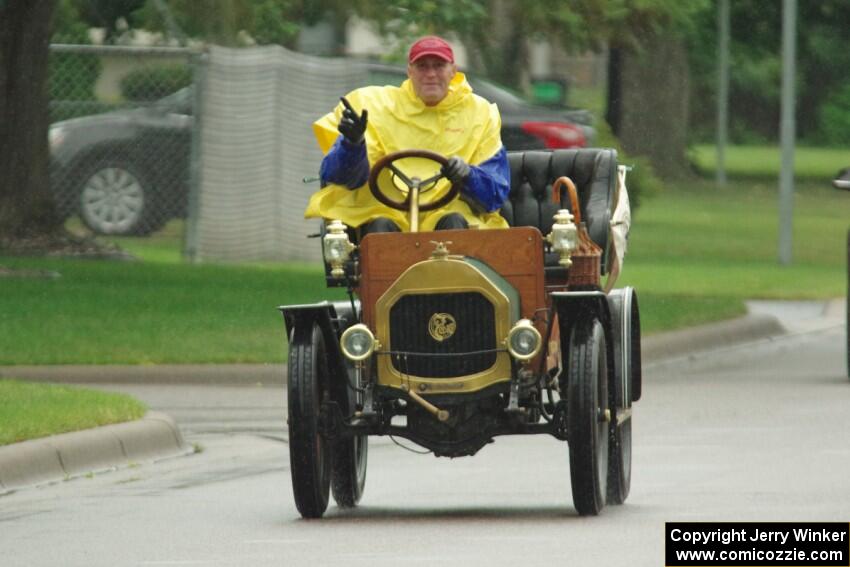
(358, 343)
(524, 341)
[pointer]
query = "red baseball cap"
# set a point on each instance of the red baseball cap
(431, 45)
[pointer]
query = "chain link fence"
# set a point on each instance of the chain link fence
(121, 135)
(221, 138)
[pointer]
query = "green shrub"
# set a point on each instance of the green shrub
(152, 83)
(834, 118)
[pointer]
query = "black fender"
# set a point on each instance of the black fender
(332, 319)
(625, 319)
(574, 305)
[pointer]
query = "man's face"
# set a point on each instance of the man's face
(431, 76)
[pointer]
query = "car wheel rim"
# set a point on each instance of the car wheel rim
(112, 200)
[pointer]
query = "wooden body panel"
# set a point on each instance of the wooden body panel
(515, 253)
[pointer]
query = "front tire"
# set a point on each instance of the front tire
(587, 398)
(309, 452)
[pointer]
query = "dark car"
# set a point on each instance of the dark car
(127, 172)
(124, 172)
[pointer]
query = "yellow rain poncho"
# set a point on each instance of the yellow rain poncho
(462, 124)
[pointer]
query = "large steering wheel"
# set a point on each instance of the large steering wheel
(415, 185)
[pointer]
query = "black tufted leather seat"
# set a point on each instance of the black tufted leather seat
(594, 171)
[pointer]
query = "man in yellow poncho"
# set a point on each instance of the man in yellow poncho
(434, 109)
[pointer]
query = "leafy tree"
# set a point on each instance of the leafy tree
(109, 15)
(273, 24)
(496, 30)
(216, 21)
(647, 98)
(232, 22)
(834, 118)
(496, 34)
(755, 70)
(68, 26)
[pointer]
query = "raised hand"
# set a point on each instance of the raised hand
(352, 125)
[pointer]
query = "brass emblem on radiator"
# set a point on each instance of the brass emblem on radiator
(441, 326)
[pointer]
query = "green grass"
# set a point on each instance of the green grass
(101, 312)
(696, 253)
(764, 161)
(588, 98)
(29, 411)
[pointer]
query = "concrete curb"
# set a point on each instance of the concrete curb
(59, 457)
(712, 336)
(836, 309)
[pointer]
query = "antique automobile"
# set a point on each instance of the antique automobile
(453, 338)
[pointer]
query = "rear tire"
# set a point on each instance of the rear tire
(348, 477)
(309, 452)
(625, 339)
(587, 398)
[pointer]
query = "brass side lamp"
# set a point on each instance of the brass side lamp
(337, 248)
(564, 237)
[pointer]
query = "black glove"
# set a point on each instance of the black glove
(456, 170)
(352, 125)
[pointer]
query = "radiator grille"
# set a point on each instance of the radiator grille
(417, 353)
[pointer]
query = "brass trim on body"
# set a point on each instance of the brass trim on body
(445, 275)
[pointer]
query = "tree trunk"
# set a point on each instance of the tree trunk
(654, 104)
(501, 50)
(26, 205)
(612, 110)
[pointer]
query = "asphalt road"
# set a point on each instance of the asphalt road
(749, 433)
